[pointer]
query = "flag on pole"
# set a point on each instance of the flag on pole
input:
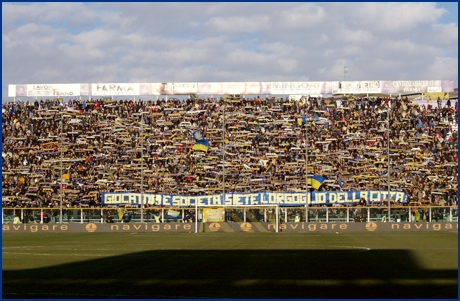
(201, 145)
(302, 121)
(316, 181)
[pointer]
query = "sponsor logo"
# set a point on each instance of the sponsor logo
(114, 88)
(297, 85)
(409, 83)
(246, 227)
(371, 227)
(166, 227)
(35, 228)
(424, 226)
(214, 227)
(310, 226)
(42, 87)
(57, 93)
(91, 227)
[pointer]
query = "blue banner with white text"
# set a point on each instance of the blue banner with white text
(244, 199)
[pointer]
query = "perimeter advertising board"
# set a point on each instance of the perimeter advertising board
(301, 227)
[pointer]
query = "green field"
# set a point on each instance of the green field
(231, 265)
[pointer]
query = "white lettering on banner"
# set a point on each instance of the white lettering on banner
(434, 89)
(179, 88)
(233, 88)
(215, 200)
(356, 87)
(53, 90)
(375, 196)
(228, 199)
(297, 85)
(399, 196)
(42, 87)
(342, 197)
(409, 83)
(384, 195)
(57, 93)
(329, 197)
(201, 200)
(148, 199)
(332, 198)
(238, 199)
(180, 200)
(115, 89)
(252, 199)
(167, 200)
(364, 195)
(321, 197)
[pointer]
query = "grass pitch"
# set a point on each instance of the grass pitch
(230, 265)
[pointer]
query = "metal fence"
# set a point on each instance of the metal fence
(233, 214)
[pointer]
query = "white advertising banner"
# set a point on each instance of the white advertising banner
(210, 88)
(113, 89)
(85, 90)
(421, 86)
(303, 88)
(231, 88)
(57, 90)
(356, 87)
(238, 88)
(11, 90)
(176, 88)
(235, 88)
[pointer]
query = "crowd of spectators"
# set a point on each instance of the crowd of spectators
(105, 144)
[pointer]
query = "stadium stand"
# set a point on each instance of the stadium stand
(105, 143)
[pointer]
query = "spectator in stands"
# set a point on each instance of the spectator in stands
(103, 139)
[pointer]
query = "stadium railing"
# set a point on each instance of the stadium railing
(235, 214)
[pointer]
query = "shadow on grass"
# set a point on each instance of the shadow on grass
(344, 273)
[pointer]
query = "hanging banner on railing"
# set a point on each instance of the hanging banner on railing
(244, 199)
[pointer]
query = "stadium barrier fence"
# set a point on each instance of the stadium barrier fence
(239, 214)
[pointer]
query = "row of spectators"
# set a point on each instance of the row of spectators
(105, 144)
